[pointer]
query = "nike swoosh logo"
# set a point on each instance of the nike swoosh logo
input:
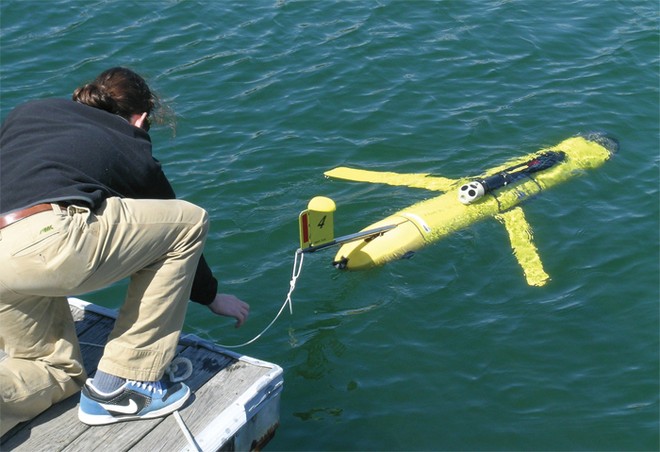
(131, 408)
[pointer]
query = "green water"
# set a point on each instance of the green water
(450, 350)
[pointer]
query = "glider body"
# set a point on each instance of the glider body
(433, 219)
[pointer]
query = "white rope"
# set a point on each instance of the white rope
(184, 429)
(91, 344)
(173, 367)
(295, 273)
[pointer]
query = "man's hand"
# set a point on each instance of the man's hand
(230, 306)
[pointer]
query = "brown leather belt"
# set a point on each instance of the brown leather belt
(10, 218)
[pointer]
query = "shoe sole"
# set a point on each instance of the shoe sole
(103, 419)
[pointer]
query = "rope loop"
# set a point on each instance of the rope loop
(173, 368)
(295, 273)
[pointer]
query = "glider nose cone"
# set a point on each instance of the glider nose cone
(608, 142)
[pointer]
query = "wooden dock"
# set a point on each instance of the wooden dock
(234, 406)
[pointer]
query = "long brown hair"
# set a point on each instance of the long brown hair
(118, 90)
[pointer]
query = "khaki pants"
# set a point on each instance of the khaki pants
(71, 251)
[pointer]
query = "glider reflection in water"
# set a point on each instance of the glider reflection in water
(497, 193)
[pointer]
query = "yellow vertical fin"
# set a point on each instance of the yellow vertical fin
(520, 234)
(316, 223)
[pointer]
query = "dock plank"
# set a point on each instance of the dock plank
(228, 390)
(210, 401)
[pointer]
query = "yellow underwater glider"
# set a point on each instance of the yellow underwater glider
(496, 193)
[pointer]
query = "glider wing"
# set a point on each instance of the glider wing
(520, 235)
(414, 180)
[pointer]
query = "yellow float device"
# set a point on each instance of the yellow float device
(497, 193)
(317, 228)
(317, 222)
